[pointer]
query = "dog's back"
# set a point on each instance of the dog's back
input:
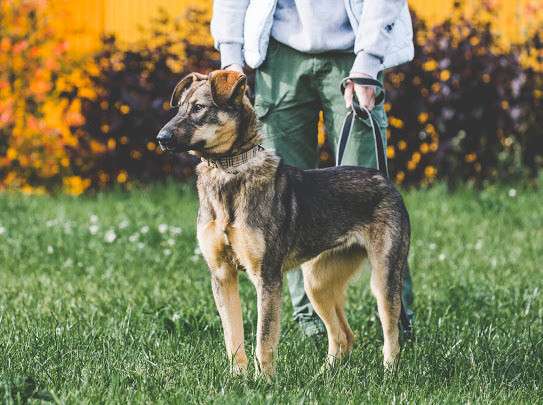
(328, 205)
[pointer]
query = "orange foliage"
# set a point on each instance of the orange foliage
(36, 118)
(42, 94)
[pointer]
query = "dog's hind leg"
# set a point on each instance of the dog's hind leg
(326, 278)
(387, 257)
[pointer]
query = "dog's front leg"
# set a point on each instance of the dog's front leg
(269, 326)
(224, 281)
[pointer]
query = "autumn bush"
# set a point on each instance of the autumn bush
(37, 123)
(465, 109)
(132, 102)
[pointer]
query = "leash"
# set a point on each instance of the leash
(359, 112)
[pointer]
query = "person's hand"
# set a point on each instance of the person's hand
(235, 67)
(364, 94)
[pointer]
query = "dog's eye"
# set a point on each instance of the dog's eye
(196, 108)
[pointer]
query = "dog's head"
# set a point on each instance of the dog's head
(212, 111)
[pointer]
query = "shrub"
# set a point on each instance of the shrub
(87, 124)
(465, 109)
(133, 91)
(37, 124)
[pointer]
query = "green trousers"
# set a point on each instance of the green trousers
(290, 91)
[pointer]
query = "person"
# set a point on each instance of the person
(301, 50)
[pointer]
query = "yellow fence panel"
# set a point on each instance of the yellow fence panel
(84, 21)
(81, 22)
(125, 18)
(513, 19)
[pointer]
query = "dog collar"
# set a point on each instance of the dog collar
(230, 163)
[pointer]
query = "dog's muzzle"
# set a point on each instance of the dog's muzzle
(166, 140)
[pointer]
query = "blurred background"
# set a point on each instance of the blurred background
(85, 85)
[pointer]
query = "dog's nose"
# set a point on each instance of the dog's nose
(164, 136)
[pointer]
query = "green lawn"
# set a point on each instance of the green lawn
(105, 299)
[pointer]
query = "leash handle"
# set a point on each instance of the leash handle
(362, 112)
(367, 82)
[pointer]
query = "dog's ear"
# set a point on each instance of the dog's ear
(184, 84)
(227, 87)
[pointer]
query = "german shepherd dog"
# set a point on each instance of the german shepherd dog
(264, 217)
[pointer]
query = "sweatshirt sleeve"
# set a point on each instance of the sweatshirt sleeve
(227, 23)
(374, 34)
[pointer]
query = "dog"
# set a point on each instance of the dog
(264, 217)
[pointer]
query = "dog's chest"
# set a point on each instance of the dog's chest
(225, 238)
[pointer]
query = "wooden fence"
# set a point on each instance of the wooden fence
(84, 21)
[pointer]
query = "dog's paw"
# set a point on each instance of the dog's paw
(390, 362)
(331, 361)
(326, 367)
(239, 364)
(264, 371)
(239, 369)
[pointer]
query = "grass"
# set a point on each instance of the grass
(104, 299)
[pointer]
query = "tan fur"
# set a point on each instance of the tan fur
(215, 249)
(326, 278)
(212, 242)
(227, 245)
(226, 294)
(248, 247)
(389, 309)
(224, 246)
(267, 330)
(226, 85)
(233, 237)
(218, 138)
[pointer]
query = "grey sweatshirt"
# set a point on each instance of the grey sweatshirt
(311, 26)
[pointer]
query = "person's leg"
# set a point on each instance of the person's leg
(288, 108)
(361, 148)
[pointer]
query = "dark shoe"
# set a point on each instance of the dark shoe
(407, 334)
(312, 328)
